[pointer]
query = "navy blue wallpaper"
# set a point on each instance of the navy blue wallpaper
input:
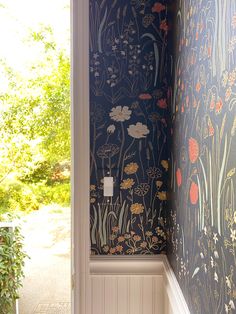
(129, 94)
(202, 230)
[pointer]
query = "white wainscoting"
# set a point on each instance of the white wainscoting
(134, 285)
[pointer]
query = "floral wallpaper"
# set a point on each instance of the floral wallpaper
(202, 219)
(129, 92)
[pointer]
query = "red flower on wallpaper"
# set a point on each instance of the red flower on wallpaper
(198, 87)
(193, 193)
(179, 177)
(197, 35)
(164, 26)
(209, 51)
(162, 103)
(193, 150)
(219, 106)
(211, 129)
(187, 100)
(212, 103)
(158, 7)
(145, 96)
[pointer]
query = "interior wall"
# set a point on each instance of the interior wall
(129, 91)
(202, 230)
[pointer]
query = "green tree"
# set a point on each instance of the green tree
(35, 116)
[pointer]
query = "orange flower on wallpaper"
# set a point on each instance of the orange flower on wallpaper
(193, 149)
(127, 184)
(193, 193)
(197, 35)
(137, 208)
(209, 51)
(187, 100)
(136, 238)
(228, 94)
(131, 168)
(119, 248)
(219, 106)
(194, 102)
(158, 7)
(164, 26)
(145, 96)
(198, 87)
(234, 21)
(162, 103)
(212, 103)
(179, 177)
(165, 164)
(162, 195)
(211, 129)
(159, 184)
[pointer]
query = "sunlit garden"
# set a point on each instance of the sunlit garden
(34, 127)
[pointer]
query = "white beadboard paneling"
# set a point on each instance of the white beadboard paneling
(111, 297)
(127, 294)
(158, 295)
(98, 294)
(123, 294)
(135, 302)
(128, 286)
(148, 295)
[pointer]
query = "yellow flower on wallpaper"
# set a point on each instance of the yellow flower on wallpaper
(165, 164)
(92, 187)
(127, 184)
(162, 196)
(159, 184)
(231, 172)
(137, 208)
(131, 168)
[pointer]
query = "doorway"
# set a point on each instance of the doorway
(35, 146)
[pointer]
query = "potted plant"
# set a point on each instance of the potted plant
(12, 259)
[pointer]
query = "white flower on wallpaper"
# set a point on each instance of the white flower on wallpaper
(120, 114)
(111, 129)
(138, 130)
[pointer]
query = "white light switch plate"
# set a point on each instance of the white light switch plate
(108, 186)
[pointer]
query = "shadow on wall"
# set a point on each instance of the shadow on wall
(202, 231)
(129, 92)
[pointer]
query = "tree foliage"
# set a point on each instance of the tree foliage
(35, 116)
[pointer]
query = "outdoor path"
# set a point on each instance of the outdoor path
(46, 287)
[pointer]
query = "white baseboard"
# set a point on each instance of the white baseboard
(135, 285)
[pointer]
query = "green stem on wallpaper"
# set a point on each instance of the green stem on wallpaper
(121, 149)
(93, 238)
(219, 186)
(124, 156)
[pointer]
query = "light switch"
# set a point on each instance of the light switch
(108, 186)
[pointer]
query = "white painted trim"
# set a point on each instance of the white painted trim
(126, 265)
(80, 156)
(173, 290)
(144, 266)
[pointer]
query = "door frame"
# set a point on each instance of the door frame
(80, 155)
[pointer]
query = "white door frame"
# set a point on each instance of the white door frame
(80, 154)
